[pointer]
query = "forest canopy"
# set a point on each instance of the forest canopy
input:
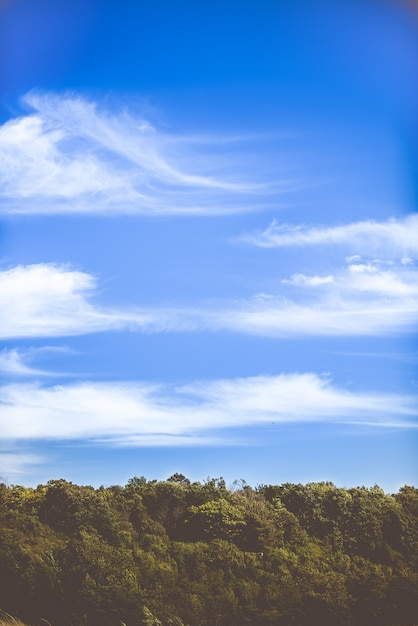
(182, 553)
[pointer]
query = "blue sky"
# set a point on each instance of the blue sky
(209, 241)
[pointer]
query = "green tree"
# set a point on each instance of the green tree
(217, 519)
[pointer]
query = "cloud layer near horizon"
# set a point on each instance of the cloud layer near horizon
(153, 414)
(71, 156)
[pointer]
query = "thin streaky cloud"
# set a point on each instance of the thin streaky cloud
(409, 358)
(309, 281)
(284, 321)
(14, 463)
(134, 413)
(69, 155)
(164, 441)
(14, 362)
(393, 238)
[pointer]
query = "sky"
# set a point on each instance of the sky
(209, 241)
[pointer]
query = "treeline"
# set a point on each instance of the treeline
(177, 553)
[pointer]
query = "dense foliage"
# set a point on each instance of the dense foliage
(180, 553)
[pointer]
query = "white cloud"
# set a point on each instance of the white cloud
(14, 463)
(14, 362)
(283, 319)
(359, 300)
(363, 299)
(309, 281)
(394, 238)
(393, 283)
(144, 414)
(71, 156)
(369, 296)
(361, 268)
(46, 300)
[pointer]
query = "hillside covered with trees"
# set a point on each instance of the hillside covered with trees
(177, 553)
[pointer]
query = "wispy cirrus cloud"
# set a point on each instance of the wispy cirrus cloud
(363, 298)
(12, 362)
(69, 155)
(393, 238)
(301, 280)
(200, 412)
(14, 463)
(16, 362)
